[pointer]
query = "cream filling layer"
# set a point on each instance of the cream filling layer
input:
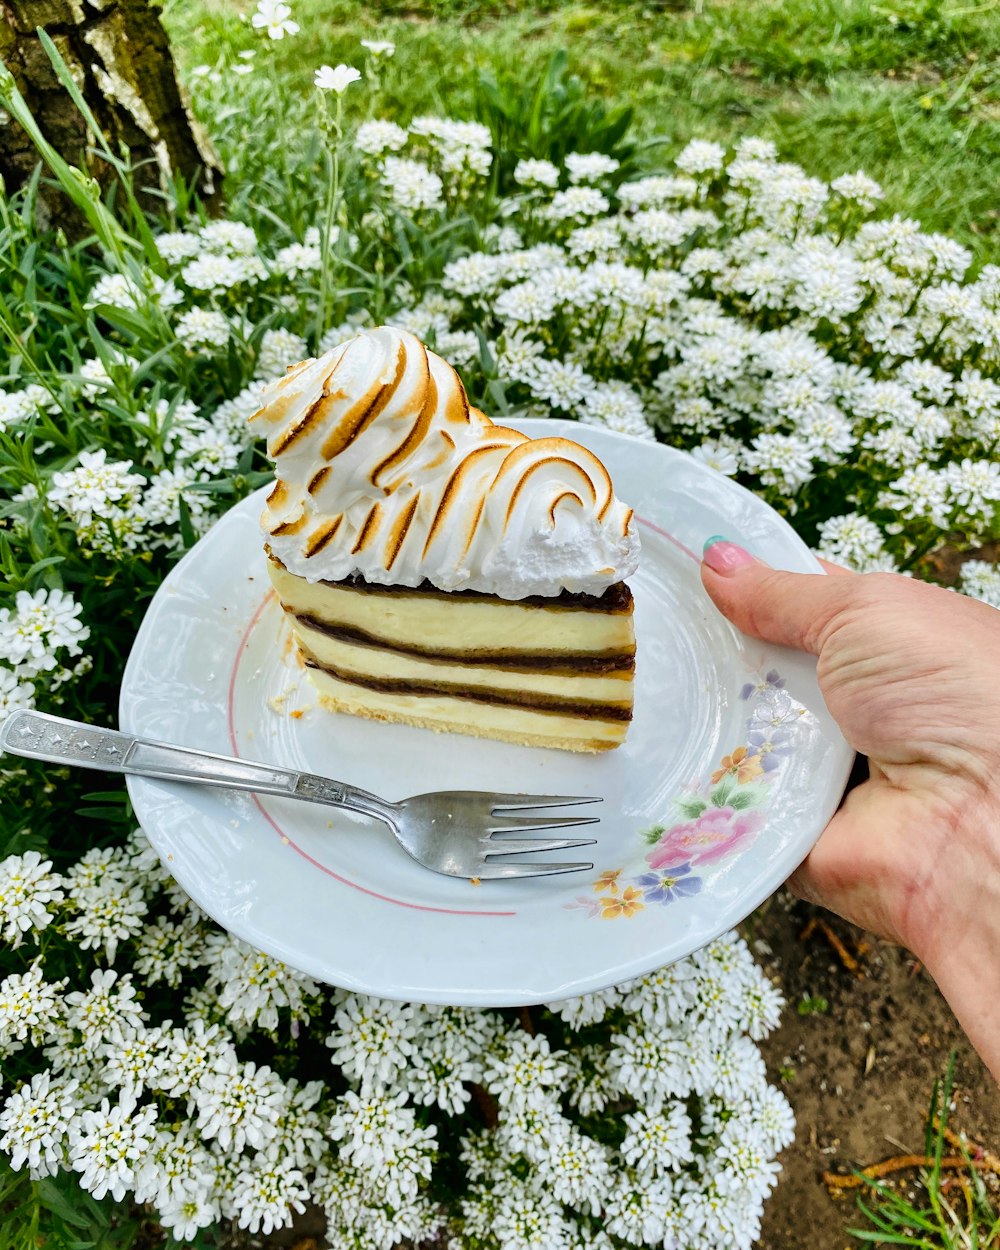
(497, 628)
(516, 724)
(350, 658)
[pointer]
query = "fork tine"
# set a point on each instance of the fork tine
(515, 801)
(497, 872)
(508, 824)
(525, 846)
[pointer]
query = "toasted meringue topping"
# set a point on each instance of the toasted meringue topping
(384, 470)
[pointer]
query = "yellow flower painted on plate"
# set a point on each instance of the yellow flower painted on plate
(625, 904)
(741, 765)
(608, 881)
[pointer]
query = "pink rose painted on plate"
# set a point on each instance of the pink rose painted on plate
(719, 818)
(717, 832)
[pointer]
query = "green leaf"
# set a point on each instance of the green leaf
(722, 793)
(692, 808)
(54, 1200)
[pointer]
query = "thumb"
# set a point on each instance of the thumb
(790, 609)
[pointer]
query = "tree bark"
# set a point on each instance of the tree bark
(119, 56)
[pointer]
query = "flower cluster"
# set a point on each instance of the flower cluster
(109, 1081)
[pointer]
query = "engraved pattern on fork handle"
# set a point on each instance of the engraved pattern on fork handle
(40, 736)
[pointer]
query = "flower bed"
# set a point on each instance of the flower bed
(842, 365)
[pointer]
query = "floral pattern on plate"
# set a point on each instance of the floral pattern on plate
(716, 819)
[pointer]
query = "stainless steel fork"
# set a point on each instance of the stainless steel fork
(460, 833)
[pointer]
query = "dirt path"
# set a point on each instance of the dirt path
(860, 1073)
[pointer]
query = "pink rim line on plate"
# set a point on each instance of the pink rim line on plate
(288, 841)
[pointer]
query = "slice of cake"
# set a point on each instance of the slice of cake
(441, 570)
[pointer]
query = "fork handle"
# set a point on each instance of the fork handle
(38, 736)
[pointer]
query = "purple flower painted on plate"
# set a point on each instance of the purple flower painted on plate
(664, 887)
(772, 680)
(774, 711)
(718, 831)
(769, 745)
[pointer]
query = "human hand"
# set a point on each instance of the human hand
(910, 673)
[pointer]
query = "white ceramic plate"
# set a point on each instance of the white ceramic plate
(680, 857)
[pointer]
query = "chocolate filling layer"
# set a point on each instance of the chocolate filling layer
(534, 703)
(558, 663)
(616, 599)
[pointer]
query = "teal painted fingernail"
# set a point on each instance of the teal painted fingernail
(716, 538)
(724, 556)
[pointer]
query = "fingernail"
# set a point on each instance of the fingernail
(723, 556)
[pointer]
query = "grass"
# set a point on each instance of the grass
(908, 90)
(950, 1208)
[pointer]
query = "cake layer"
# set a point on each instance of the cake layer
(364, 664)
(525, 726)
(461, 627)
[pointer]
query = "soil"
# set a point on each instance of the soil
(859, 1073)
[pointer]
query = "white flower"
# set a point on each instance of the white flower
(29, 1008)
(202, 327)
(701, 157)
(27, 888)
(379, 47)
(560, 383)
(521, 1069)
(275, 18)
(106, 916)
(616, 406)
(975, 485)
(266, 1192)
(105, 1007)
(15, 693)
(378, 1134)
(189, 1054)
(240, 1104)
(297, 258)
(589, 166)
(277, 351)
(373, 1039)
(106, 1144)
(252, 986)
(782, 460)
(656, 190)
(536, 173)
(176, 246)
(375, 137)
(35, 1121)
(87, 493)
(234, 237)
(131, 1058)
(526, 1217)
(411, 185)
(981, 580)
(164, 950)
(529, 303)
(336, 79)
(215, 271)
(576, 204)
(636, 1208)
(859, 188)
(658, 1141)
(187, 1213)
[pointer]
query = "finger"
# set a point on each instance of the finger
(791, 609)
(850, 869)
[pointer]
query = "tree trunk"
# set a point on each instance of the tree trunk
(119, 55)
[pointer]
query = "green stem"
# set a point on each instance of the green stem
(332, 198)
